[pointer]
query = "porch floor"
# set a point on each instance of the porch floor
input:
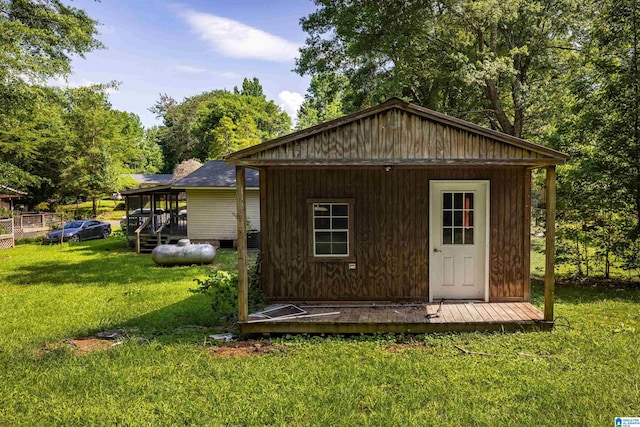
(406, 318)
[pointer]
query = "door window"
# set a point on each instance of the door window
(457, 218)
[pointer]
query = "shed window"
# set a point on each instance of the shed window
(331, 229)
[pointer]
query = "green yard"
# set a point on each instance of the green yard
(167, 372)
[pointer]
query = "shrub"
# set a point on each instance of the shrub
(118, 233)
(28, 240)
(221, 287)
(42, 207)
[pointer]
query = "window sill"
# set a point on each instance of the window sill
(332, 259)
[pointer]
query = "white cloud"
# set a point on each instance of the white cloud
(189, 69)
(237, 40)
(290, 102)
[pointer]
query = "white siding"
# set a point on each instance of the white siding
(212, 213)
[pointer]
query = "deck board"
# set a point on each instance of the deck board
(486, 316)
(512, 314)
(461, 316)
(455, 313)
(495, 316)
(519, 311)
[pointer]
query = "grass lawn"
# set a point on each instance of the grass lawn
(167, 372)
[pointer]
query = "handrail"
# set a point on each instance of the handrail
(138, 230)
(159, 233)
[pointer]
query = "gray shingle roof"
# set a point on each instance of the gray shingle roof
(216, 174)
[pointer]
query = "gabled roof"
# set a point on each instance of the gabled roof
(396, 132)
(216, 174)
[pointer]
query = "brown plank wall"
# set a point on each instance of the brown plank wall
(391, 232)
(395, 135)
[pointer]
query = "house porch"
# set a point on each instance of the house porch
(158, 222)
(405, 318)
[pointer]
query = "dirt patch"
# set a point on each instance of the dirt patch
(78, 345)
(90, 344)
(246, 348)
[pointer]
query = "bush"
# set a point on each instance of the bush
(118, 233)
(42, 207)
(28, 240)
(221, 287)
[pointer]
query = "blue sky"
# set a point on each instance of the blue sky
(183, 49)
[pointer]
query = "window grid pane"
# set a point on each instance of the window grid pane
(457, 218)
(331, 229)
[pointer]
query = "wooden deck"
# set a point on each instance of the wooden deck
(407, 318)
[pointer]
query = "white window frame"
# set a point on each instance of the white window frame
(313, 255)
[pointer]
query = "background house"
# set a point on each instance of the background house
(7, 197)
(211, 203)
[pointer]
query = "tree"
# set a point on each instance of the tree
(323, 100)
(149, 153)
(212, 124)
(103, 141)
(39, 38)
(616, 37)
(31, 139)
(482, 60)
(250, 88)
(38, 41)
(596, 122)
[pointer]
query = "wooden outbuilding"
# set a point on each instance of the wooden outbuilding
(384, 213)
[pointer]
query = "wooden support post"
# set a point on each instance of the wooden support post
(153, 213)
(526, 256)
(126, 227)
(241, 215)
(549, 273)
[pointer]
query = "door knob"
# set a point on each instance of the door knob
(436, 250)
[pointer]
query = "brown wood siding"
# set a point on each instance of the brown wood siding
(391, 228)
(395, 135)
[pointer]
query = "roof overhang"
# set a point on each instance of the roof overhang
(164, 189)
(214, 188)
(12, 193)
(534, 163)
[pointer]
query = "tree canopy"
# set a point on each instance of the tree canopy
(61, 142)
(482, 60)
(212, 124)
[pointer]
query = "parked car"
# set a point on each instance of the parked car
(137, 217)
(76, 231)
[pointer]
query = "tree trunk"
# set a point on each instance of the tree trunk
(491, 86)
(586, 257)
(94, 206)
(491, 90)
(578, 257)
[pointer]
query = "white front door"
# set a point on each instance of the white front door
(459, 241)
